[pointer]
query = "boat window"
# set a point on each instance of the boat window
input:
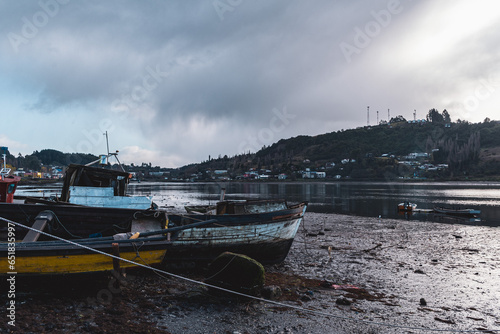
(11, 188)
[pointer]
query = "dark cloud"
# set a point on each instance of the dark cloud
(213, 75)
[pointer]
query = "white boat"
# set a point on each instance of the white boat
(407, 206)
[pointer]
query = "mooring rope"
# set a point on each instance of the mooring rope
(298, 308)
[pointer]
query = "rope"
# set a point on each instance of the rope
(298, 308)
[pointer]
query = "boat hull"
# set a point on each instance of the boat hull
(406, 207)
(457, 212)
(59, 257)
(266, 242)
(77, 264)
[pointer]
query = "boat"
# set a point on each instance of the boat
(407, 206)
(264, 236)
(457, 211)
(8, 183)
(194, 238)
(100, 187)
(56, 255)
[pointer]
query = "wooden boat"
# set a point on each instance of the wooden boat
(89, 255)
(457, 211)
(407, 206)
(265, 236)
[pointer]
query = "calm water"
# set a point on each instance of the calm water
(363, 198)
(357, 198)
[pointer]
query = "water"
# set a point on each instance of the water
(372, 199)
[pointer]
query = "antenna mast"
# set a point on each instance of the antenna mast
(368, 116)
(107, 142)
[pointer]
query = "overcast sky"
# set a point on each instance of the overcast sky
(173, 82)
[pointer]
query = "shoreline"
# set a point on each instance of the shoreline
(383, 268)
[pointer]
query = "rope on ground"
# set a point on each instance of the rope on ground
(298, 308)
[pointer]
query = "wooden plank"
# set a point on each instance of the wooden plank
(33, 235)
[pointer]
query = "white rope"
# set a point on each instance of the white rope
(298, 308)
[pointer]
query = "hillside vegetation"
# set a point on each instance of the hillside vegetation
(469, 149)
(446, 150)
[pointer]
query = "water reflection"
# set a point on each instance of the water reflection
(358, 198)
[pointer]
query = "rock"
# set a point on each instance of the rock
(306, 298)
(236, 272)
(423, 302)
(271, 292)
(343, 301)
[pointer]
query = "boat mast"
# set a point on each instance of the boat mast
(107, 142)
(113, 154)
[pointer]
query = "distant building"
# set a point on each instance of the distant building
(417, 121)
(415, 155)
(307, 174)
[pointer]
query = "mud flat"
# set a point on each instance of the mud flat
(344, 274)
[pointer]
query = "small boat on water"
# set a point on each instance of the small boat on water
(406, 206)
(457, 211)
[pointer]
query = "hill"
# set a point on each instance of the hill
(434, 148)
(447, 150)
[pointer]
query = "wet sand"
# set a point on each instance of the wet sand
(357, 275)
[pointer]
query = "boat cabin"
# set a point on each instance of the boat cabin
(8, 185)
(94, 186)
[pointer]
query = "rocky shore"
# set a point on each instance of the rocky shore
(344, 274)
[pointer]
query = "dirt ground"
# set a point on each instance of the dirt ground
(344, 274)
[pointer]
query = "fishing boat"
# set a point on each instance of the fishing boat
(406, 206)
(265, 236)
(195, 238)
(457, 211)
(8, 183)
(50, 254)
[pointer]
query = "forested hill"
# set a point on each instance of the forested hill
(469, 149)
(435, 148)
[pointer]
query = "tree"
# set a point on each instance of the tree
(398, 119)
(446, 116)
(434, 116)
(32, 162)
